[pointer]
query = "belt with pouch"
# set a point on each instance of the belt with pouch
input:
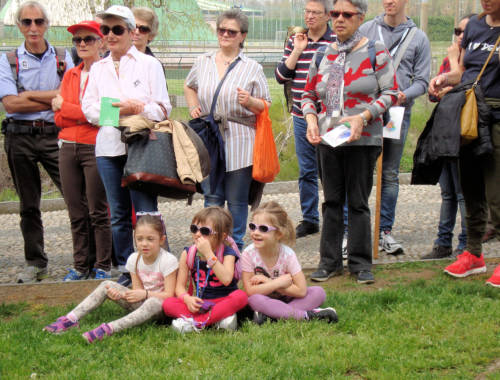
(30, 127)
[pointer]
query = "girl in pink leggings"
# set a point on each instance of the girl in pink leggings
(208, 266)
(272, 276)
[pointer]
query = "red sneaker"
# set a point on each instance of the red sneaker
(466, 265)
(495, 279)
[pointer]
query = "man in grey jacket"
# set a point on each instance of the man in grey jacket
(394, 29)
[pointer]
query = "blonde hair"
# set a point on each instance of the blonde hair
(279, 219)
(148, 15)
(220, 218)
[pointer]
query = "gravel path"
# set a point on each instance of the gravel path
(416, 226)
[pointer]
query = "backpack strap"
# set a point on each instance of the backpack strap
(191, 253)
(319, 56)
(61, 61)
(372, 54)
(13, 60)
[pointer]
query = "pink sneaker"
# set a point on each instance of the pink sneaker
(495, 279)
(62, 324)
(466, 265)
(98, 333)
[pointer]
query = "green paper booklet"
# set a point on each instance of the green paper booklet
(109, 115)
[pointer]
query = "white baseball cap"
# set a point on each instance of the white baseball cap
(120, 11)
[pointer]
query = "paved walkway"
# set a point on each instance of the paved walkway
(416, 227)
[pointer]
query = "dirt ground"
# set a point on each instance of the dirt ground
(63, 293)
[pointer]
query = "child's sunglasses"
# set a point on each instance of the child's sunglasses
(117, 30)
(261, 227)
(205, 231)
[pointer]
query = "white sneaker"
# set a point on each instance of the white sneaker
(229, 323)
(32, 274)
(184, 325)
(388, 244)
(344, 247)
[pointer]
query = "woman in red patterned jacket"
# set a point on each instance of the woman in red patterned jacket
(354, 85)
(82, 187)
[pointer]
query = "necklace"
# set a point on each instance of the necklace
(225, 60)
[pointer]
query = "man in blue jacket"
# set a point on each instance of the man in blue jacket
(400, 35)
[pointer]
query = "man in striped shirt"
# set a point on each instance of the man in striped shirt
(294, 67)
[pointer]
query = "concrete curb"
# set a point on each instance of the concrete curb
(283, 187)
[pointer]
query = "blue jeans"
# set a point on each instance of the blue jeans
(235, 190)
(308, 172)
(452, 199)
(120, 206)
(392, 153)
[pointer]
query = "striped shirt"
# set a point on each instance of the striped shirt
(298, 75)
(247, 75)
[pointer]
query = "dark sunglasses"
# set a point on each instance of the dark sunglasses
(458, 31)
(346, 15)
(231, 33)
(117, 30)
(89, 40)
(261, 227)
(205, 231)
(37, 21)
(143, 29)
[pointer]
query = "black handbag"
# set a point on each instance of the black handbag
(151, 167)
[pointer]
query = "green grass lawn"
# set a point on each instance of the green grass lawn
(418, 327)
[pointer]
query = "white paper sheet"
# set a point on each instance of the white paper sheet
(337, 135)
(393, 129)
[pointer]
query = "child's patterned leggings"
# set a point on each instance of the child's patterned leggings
(223, 308)
(296, 308)
(140, 311)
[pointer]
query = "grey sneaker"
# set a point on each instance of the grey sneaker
(388, 244)
(322, 274)
(438, 252)
(229, 323)
(32, 274)
(365, 277)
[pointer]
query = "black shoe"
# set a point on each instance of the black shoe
(438, 252)
(306, 228)
(365, 277)
(259, 318)
(329, 314)
(322, 274)
(125, 280)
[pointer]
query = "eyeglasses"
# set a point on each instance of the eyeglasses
(117, 30)
(458, 31)
(205, 231)
(261, 227)
(89, 40)
(143, 29)
(38, 21)
(313, 13)
(231, 33)
(345, 15)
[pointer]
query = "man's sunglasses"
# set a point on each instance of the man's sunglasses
(89, 40)
(37, 21)
(205, 231)
(261, 227)
(346, 15)
(143, 29)
(117, 30)
(231, 33)
(458, 31)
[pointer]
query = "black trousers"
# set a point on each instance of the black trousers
(346, 170)
(24, 152)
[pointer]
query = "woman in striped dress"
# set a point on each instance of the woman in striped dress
(239, 101)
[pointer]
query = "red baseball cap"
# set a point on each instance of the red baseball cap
(93, 26)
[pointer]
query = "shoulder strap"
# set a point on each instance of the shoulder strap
(403, 47)
(61, 61)
(191, 253)
(13, 60)
(320, 54)
(216, 95)
(487, 61)
(372, 53)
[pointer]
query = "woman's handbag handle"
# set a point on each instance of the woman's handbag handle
(487, 61)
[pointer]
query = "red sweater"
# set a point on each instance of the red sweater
(70, 117)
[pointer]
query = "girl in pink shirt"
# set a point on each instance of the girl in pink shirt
(272, 276)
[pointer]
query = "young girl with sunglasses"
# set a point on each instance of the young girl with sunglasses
(208, 267)
(153, 271)
(272, 276)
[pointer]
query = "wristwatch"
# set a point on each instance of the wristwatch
(211, 262)
(365, 121)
